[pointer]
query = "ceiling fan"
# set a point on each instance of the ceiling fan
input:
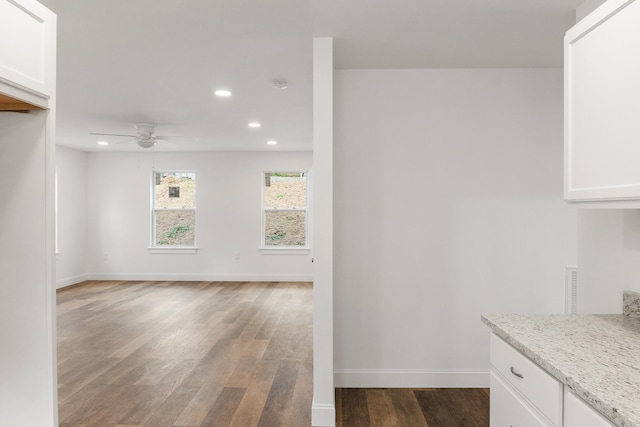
(145, 137)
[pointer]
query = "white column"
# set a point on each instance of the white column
(323, 410)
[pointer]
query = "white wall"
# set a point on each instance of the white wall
(228, 218)
(71, 258)
(448, 204)
(608, 258)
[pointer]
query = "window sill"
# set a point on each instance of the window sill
(285, 251)
(173, 250)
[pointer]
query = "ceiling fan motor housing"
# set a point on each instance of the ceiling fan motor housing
(146, 143)
(145, 134)
(145, 128)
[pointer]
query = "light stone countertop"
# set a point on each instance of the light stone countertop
(596, 356)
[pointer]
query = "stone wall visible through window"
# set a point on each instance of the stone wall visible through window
(285, 209)
(174, 209)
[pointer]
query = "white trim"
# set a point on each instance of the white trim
(24, 93)
(173, 250)
(610, 204)
(411, 378)
(323, 415)
(179, 277)
(55, 210)
(285, 210)
(68, 281)
(285, 250)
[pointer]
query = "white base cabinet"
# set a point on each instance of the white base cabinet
(508, 409)
(522, 393)
(577, 413)
(525, 395)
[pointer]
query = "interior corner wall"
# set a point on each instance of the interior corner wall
(448, 204)
(608, 258)
(228, 218)
(71, 222)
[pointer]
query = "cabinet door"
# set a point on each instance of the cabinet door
(577, 413)
(602, 104)
(27, 50)
(507, 409)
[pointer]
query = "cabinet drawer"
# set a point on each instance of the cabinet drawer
(541, 389)
(507, 410)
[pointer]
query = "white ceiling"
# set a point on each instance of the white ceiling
(126, 61)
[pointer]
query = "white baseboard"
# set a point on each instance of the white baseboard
(68, 281)
(323, 415)
(410, 378)
(202, 277)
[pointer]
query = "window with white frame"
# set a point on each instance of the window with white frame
(284, 201)
(174, 209)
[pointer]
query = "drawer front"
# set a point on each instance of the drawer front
(577, 413)
(507, 410)
(540, 388)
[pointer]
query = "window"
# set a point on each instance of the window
(284, 201)
(174, 209)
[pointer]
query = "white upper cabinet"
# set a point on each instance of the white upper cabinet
(27, 51)
(602, 105)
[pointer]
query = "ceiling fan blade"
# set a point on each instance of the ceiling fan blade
(171, 139)
(111, 134)
(165, 139)
(168, 137)
(126, 140)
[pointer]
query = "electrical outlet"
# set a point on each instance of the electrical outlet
(237, 255)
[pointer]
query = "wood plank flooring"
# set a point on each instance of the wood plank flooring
(448, 407)
(185, 354)
(190, 354)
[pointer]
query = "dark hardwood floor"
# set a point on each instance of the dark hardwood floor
(185, 354)
(164, 354)
(446, 407)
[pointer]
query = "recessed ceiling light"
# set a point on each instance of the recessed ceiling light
(272, 142)
(103, 143)
(254, 125)
(222, 92)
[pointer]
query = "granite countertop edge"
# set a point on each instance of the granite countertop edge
(608, 408)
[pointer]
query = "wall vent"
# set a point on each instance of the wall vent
(571, 290)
